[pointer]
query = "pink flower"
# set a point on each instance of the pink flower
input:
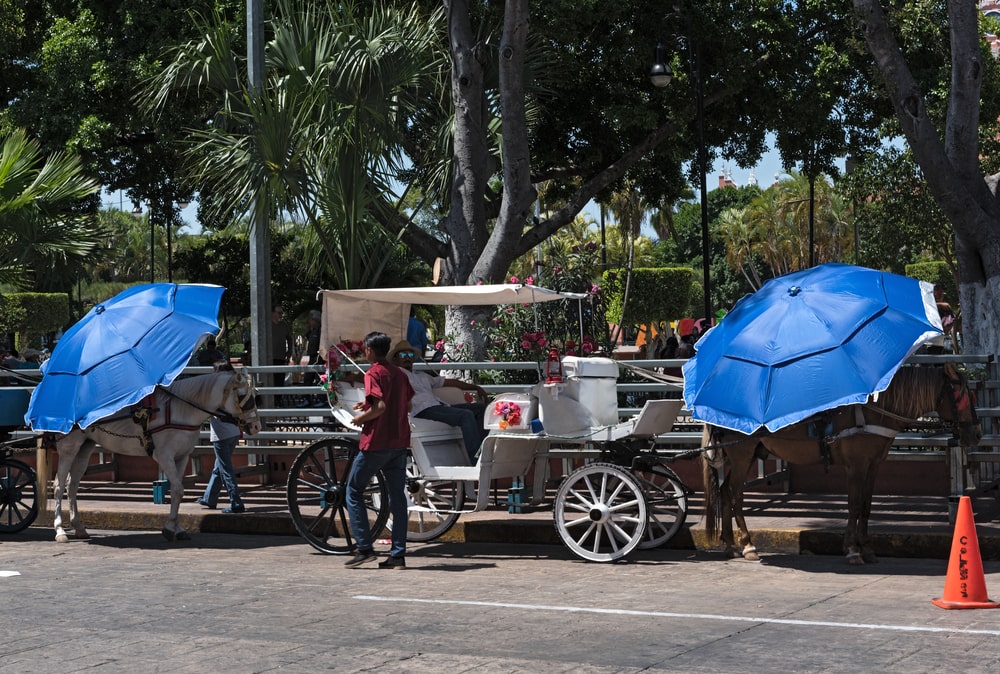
(530, 280)
(513, 279)
(525, 345)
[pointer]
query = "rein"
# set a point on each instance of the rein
(145, 414)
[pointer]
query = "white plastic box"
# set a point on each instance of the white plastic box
(521, 423)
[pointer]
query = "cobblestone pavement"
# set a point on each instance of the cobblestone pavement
(128, 600)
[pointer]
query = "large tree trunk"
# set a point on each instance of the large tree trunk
(951, 166)
(476, 254)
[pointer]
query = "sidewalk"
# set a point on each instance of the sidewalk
(901, 526)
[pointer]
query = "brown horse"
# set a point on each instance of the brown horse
(855, 436)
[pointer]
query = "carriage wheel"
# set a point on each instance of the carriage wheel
(317, 496)
(18, 496)
(666, 504)
(431, 504)
(600, 512)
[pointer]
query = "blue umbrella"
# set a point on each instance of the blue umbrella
(807, 342)
(120, 351)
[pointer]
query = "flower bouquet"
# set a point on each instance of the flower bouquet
(509, 414)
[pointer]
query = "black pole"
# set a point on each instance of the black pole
(702, 168)
(152, 247)
(812, 221)
(170, 261)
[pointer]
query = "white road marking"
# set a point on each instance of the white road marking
(695, 616)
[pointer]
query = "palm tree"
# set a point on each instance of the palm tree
(42, 224)
(324, 133)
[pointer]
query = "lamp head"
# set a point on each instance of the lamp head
(660, 74)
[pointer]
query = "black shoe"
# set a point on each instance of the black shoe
(361, 558)
(393, 563)
(206, 504)
(235, 510)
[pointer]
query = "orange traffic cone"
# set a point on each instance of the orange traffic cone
(965, 585)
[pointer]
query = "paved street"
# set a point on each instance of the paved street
(248, 603)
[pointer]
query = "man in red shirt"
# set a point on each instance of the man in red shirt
(385, 438)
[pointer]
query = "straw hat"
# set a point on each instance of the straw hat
(401, 345)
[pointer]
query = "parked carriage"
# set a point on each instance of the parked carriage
(627, 498)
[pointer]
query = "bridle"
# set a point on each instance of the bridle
(957, 397)
(245, 402)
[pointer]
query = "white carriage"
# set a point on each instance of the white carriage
(623, 498)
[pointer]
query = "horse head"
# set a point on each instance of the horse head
(239, 401)
(957, 405)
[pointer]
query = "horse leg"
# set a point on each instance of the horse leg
(70, 449)
(739, 465)
(62, 474)
(78, 468)
(174, 470)
(868, 490)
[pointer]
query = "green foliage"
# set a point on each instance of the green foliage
(527, 332)
(654, 295)
(42, 228)
(938, 274)
(30, 315)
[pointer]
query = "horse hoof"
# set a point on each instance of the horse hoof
(183, 536)
(168, 534)
(82, 535)
(751, 556)
(855, 559)
(62, 538)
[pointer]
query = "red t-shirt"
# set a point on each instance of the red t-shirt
(391, 430)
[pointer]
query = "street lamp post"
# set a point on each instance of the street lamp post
(660, 75)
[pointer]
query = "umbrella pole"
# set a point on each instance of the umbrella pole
(42, 476)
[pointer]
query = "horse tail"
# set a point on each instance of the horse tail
(710, 478)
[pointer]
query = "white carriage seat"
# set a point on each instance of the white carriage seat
(438, 450)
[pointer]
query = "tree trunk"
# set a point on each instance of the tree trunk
(951, 166)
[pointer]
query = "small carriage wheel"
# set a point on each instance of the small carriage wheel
(317, 496)
(18, 496)
(432, 505)
(600, 512)
(666, 505)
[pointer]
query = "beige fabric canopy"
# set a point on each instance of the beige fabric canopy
(352, 314)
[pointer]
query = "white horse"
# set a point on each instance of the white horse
(165, 427)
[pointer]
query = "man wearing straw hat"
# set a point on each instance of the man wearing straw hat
(468, 416)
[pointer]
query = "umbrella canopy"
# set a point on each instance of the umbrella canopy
(807, 342)
(120, 351)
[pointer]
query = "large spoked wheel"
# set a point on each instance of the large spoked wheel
(18, 496)
(317, 496)
(666, 505)
(431, 504)
(600, 512)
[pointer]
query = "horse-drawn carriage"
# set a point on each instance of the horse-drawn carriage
(625, 497)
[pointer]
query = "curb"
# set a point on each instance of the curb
(822, 541)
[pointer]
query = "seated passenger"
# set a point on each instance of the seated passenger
(426, 405)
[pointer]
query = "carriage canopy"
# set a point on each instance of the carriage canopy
(352, 314)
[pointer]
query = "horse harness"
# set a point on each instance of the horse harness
(145, 412)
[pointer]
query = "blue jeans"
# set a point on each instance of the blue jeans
(223, 474)
(392, 463)
(468, 417)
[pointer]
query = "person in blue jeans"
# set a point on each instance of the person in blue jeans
(224, 436)
(385, 438)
